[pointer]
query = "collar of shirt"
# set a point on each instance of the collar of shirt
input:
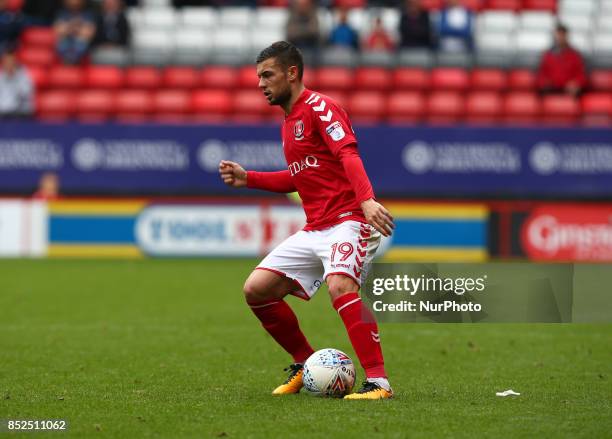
(297, 103)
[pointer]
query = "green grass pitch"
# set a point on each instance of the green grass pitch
(168, 349)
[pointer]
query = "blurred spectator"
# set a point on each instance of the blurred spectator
(455, 27)
(16, 88)
(74, 29)
(303, 25)
(343, 34)
(41, 12)
(112, 26)
(562, 68)
(11, 24)
(48, 187)
(379, 39)
(415, 28)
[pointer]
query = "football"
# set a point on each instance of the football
(329, 372)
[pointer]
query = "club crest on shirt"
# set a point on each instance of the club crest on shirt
(335, 131)
(298, 130)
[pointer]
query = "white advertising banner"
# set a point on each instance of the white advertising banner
(183, 230)
(23, 228)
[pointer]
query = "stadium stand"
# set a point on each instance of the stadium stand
(196, 63)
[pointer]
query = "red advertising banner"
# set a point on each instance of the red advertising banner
(568, 233)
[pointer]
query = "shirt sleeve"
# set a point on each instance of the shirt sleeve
(331, 122)
(26, 93)
(579, 71)
(356, 173)
(280, 181)
(543, 78)
(335, 129)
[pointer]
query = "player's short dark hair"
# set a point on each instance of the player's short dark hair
(286, 54)
(561, 28)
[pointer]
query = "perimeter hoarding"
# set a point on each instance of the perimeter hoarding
(115, 228)
(401, 161)
(23, 228)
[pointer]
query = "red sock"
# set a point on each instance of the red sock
(363, 332)
(282, 324)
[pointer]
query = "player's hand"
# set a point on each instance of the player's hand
(232, 174)
(378, 217)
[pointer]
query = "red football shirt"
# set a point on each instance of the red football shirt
(319, 146)
(559, 67)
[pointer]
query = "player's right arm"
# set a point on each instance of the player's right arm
(235, 175)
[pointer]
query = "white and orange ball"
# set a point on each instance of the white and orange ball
(329, 372)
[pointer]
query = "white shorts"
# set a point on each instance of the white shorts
(309, 257)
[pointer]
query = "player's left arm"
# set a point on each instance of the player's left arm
(336, 131)
(375, 213)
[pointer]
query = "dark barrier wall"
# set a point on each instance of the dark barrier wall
(401, 161)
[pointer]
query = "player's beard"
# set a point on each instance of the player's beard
(283, 97)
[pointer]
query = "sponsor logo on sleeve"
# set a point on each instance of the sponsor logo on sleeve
(335, 131)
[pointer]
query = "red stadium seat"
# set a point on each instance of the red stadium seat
(474, 5)
(560, 109)
(489, 79)
(310, 79)
(483, 107)
(513, 5)
(143, 77)
(15, 5)
(133, 105)
(247, 78)
(56, 105)
(452, 79)
(213, 105)
(367, 106)
(219, 77)
(372, 78)
(407, 78)
(522, 108)
(104, 77)
(171, 105)
(277, 3)
(39, 77)
(339, 96)
(601, 80)
(39, 37)
(251, 105)
(95, 105)
(432, 5)
(335, 78)
(350, 3)
(522, 79)
(597, 109)
(405, 106)
(36, 56)
(445, 107)
(540, 5)
(180, 77)
(66, 77)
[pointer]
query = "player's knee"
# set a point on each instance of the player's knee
(339, 285)
(252, 291)
(259, 288)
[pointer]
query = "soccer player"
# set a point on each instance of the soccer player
(344, 222)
